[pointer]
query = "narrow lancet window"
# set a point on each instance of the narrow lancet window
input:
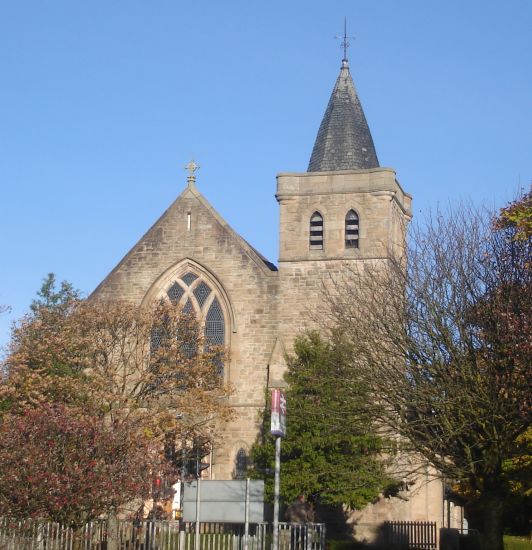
(215, 332)
(351, 229)
(316, 231)
(241, 464)
(214, 325)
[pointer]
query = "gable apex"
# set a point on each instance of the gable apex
(153, 239)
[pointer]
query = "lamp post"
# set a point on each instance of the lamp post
(278, 429)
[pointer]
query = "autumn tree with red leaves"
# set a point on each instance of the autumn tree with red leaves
(69, 466)
(144, 374)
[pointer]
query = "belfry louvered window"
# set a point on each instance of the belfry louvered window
(351, 229)
(316, 231)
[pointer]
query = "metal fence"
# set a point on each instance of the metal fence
(158, 535)
(32, 534)
(414, 535)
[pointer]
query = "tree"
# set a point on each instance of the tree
(141, 371)
(49, 297)
(331, 451)
(440, 335)
(516, 218)
(143, 364)
(67, 466)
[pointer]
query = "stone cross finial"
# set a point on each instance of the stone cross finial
(191, 167)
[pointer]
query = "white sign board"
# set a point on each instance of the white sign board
(224, 501)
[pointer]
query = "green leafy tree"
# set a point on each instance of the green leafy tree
(331, 451)
(50, 297)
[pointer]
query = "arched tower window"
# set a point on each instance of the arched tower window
(316, 231)
(351, 229)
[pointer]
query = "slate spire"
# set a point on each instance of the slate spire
(344, 141)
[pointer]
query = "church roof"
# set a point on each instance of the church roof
(344, 141)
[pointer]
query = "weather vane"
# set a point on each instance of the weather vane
(345, 44)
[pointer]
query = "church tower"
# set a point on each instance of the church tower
(344, 211)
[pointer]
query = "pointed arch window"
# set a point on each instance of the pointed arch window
(316, 231)
(352, 227)
(241, 464)
(214, 325)
(198, 299)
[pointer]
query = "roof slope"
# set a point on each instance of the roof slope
(344, 141)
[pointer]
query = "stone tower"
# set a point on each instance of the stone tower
(344, 211)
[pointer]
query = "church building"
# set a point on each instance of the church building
(345, 210)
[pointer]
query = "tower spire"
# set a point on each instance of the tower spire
(344, 140)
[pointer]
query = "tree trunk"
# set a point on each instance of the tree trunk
(492, 508)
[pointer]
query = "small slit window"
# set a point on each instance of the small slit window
(316, 231)
(351, 230)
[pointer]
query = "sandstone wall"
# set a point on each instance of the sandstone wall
(192, 236)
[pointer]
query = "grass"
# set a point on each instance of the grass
(517, 543)
(510, 543)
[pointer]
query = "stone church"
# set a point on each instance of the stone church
(345, 210)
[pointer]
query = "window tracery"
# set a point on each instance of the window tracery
(197, 297)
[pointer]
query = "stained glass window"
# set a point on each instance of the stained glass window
(202, 292)
(213, 316)
(241, 464)
(156, 339)
(189, 308)
(189, 278)
(175, 292)
(214, 325)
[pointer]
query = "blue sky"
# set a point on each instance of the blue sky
(103, 103)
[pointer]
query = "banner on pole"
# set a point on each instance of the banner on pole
(278, 425)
